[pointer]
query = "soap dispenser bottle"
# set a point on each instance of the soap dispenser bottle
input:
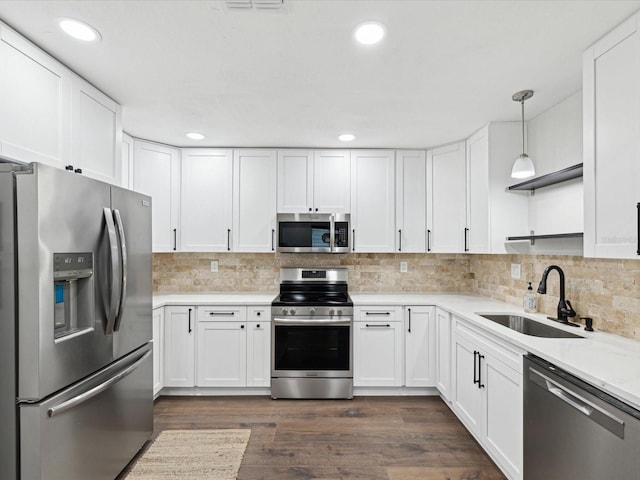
(530, 300)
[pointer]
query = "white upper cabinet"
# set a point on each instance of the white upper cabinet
(156, 172)
(206, 200)
(51, 115)
(411, 201)
(611, 118)
(372, 200)
(446, 199)
(313, 181)
(35, 94)
(126, 162)
(96, 133)
(493, 213)
(254, 200)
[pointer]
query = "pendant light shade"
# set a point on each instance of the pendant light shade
(523, 166)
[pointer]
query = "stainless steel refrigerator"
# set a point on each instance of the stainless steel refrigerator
(76, 394)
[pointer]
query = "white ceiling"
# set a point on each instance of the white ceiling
(297, 79)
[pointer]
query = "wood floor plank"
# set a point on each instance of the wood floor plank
(373, 438)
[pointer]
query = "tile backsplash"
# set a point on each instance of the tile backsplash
(607, 290)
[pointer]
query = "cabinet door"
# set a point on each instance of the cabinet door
(373, 200)
(611, 111)
(443, 352)
(377, 350)
(126, 168)
(222, 354)
(447, 198)
(411, 201)
(158, 350)
(468, 397)
(179, 347)
(503, 414)
(96, 133)
(156, 172)
(206, 209)
(295, 181)
(259, 346)
(35, 94)
(331, 181)
(420, 346)
(254, 200)
(477, 181)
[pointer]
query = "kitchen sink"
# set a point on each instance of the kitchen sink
(527, 326)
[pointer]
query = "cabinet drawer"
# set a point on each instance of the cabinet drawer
(378, 313)
(259, 313)
(220, 313)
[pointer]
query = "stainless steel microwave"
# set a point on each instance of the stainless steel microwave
(313, 233)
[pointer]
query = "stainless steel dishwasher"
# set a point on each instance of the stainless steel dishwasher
(573, 430)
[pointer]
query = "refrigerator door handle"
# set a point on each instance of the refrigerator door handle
(123, 272)
(83, 397)
(116, 274)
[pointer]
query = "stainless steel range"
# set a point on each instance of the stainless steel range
(312, 335)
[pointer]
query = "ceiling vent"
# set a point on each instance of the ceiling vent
(255, 4)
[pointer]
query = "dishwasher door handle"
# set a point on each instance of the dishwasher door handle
(599, 415)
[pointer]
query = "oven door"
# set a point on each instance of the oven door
(311, 347)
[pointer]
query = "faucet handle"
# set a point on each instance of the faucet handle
(568, 309)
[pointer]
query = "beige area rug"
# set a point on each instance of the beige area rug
(193, 454)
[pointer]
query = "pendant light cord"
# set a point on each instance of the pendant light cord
(522, 103)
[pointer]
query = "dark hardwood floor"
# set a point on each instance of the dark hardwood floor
(373, 438)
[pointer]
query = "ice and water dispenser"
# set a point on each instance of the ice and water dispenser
(73, 293)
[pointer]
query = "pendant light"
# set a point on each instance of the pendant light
(523, 166)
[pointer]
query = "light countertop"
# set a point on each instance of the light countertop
(608, 361)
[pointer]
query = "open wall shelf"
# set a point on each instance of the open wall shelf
(569, 173)
(532, 238)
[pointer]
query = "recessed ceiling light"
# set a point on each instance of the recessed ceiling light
(346, 137)
(369, 33)
(195, 136)
(79, 30)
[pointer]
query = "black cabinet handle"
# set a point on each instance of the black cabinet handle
(316, 209)
(175, 239)
(273, 239)
(428, 240)
(377, 313)
(409, 310)
(466, 239)
(224, 314)
(638, 224)
(475, 363)
(400, 240)
(190, 321)
(241, 326)
(480, 384)
(258, 313)
(310, 209)
(228, 239)
(258, 325)
(383, 325)
(353, 240)
(69, 168)
(78, 170)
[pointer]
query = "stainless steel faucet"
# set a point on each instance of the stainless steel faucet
(564, 306)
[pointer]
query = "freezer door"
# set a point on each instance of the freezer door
(93, 429)
(133, 325)
(63, 252)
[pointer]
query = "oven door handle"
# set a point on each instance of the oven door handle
(315, 321)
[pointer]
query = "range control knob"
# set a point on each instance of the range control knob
(339, 312)
(332, 311)
(292, 311)
(312, 311)
(284, 311)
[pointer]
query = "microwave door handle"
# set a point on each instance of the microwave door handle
(116, 274)
(123, 273)
(332, 233)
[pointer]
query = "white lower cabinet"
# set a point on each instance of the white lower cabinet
(179, 347)
(420, 346)
(443, 353)
(259, 346)
(378, 337)
(158, 349)
(487, 394)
